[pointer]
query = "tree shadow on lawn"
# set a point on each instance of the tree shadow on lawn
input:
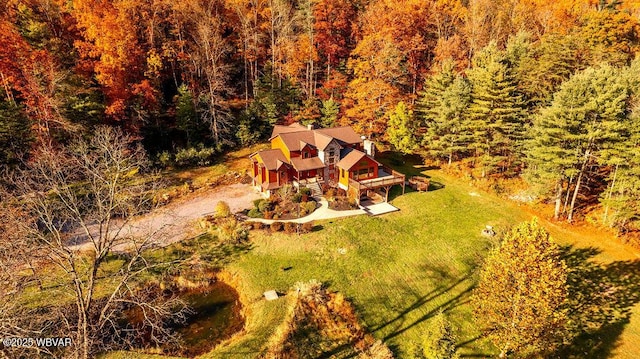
(601, 298)
(400, 323)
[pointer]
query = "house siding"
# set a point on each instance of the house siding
(277, 143)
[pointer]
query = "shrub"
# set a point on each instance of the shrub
(296, 198)
(306, 227)
(290, 227)
(256, 202)
(309, 206)
(165, 159)
(276, 226)
(268, 215)
(254, 213)
(264, 206)
(222, 210)
(257, 225)
(331, 192)
(341, 193)
(230, 230)
(305, 191)
(201, 156)
(286, 191)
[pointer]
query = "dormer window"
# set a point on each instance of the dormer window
(305, 155)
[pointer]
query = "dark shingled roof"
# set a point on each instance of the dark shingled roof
(352, 158)
(306, 164)
(272, 159)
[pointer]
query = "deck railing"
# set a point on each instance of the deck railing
(393, 178)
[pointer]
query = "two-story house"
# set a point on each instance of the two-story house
(302, 155)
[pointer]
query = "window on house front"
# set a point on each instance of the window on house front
(342, 173)
(332, 153)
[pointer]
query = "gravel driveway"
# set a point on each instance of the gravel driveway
(175, 221)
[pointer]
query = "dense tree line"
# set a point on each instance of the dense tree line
(449, 79)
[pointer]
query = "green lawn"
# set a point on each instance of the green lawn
(401, 268)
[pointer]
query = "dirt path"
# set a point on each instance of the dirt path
(175, 221)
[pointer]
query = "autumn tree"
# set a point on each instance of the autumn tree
(521, 297)
(374, 91)
(206, 63)
(401, 132)
(611, 35)
(333, 31)
(110, 48)
(30, 77)
(250, 18)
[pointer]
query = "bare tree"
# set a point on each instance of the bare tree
(207, 64)
(79, 203)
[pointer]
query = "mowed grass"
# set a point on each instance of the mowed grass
(401, 268)
(398, 269)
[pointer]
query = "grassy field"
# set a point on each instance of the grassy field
(402, 268)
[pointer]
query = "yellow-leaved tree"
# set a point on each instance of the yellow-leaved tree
(521, 298)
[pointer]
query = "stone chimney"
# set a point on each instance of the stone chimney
(310, 127)
(369, 147)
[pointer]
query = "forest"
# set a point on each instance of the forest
(540, 90)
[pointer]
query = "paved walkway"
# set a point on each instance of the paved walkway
(323, 212)
(379, 208)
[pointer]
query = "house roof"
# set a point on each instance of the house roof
(353, 157)
(345, 134)
(321, 140)
(294, 127)
(272, 159)
(294, 140)
(270, 185)
(306, 164)
(295, 134)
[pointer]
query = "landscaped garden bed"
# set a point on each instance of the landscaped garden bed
(338, 200)
(286, 203)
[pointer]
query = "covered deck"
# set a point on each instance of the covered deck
(386, 179)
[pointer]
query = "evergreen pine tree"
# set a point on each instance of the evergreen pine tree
(330, 110)
(442, 113)
(15, 132)
(496, 114)
(586, 116)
